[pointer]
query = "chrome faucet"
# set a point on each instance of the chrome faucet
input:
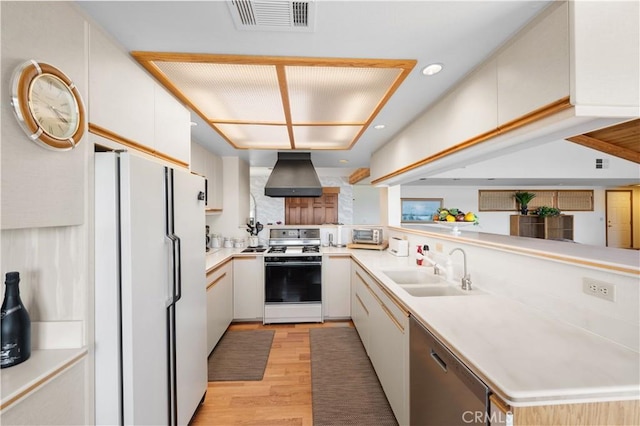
(466, 279)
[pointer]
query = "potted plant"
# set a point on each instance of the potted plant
(523, 198)
(545, 211)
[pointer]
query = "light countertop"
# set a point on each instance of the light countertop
(523, 355)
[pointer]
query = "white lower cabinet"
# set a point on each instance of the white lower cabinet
(58, 401)
(383, 327)
(248, 288)
(219, 303)
(336, 277)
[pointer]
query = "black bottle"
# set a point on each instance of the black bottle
(15, 336)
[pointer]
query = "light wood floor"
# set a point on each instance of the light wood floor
(283, 397)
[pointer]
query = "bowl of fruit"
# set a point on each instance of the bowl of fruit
(454, 218)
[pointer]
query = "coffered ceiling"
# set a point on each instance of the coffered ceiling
(457, 34)
(280, 103)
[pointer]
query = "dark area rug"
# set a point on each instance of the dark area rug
(346, 390)
(240, 356)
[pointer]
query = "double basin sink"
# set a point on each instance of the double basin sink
(424, 283)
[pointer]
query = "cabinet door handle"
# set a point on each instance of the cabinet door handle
(439, 361)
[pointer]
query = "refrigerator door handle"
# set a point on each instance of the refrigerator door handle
(177, 263)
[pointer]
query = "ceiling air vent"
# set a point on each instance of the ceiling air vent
(273, 15)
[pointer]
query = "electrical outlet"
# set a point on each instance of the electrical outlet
(601, 289)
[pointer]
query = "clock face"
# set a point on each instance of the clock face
(53, 106)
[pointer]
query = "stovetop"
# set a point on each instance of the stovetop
(294, 241)
(304, 249)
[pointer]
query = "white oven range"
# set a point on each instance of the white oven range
(293, 276)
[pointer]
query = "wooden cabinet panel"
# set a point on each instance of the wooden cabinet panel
(311, 210)
(551, 228)
(533, 71)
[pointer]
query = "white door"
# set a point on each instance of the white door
(618, 219)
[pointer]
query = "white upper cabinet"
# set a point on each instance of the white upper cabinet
(533, 70)
(172, 126)
(127, 102)
(121, 93)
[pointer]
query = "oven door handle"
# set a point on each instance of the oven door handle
(292, 263)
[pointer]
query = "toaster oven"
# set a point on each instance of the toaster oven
(367, 235)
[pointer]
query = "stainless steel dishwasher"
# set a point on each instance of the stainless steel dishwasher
(443, 390)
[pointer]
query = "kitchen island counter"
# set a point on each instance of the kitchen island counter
(525, 356)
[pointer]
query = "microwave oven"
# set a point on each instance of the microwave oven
(367, 235)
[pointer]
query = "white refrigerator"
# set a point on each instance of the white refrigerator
(150, 297)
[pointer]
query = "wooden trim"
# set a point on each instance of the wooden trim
(148, 59)
(539, 114)
(330, 189)
(145, 56)
(286, 104)
(536, 115)
(588, 413)
(607, 148)
(213, 210)
(390, 91)
(43, 380)
(216, 281)
(339, 255)
(523, 251)
(382, 304)
(362, 304)
(108, 134)
(359, 174)
(218, 266)
(499, 403)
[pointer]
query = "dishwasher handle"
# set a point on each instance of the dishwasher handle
(438, 360)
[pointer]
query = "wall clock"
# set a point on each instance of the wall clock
(48, 106)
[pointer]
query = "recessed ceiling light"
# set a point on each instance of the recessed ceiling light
(379, 126)
(432, 69)
(343, 161)
(193, 123)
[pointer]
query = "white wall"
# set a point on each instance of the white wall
(235, 200)
(366, 205)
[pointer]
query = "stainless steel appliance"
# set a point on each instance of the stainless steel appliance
(443, 391)
(367, 235)
(150, 298)
(293, 276)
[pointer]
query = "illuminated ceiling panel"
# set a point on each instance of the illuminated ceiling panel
(324, 137)
(263, 102)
